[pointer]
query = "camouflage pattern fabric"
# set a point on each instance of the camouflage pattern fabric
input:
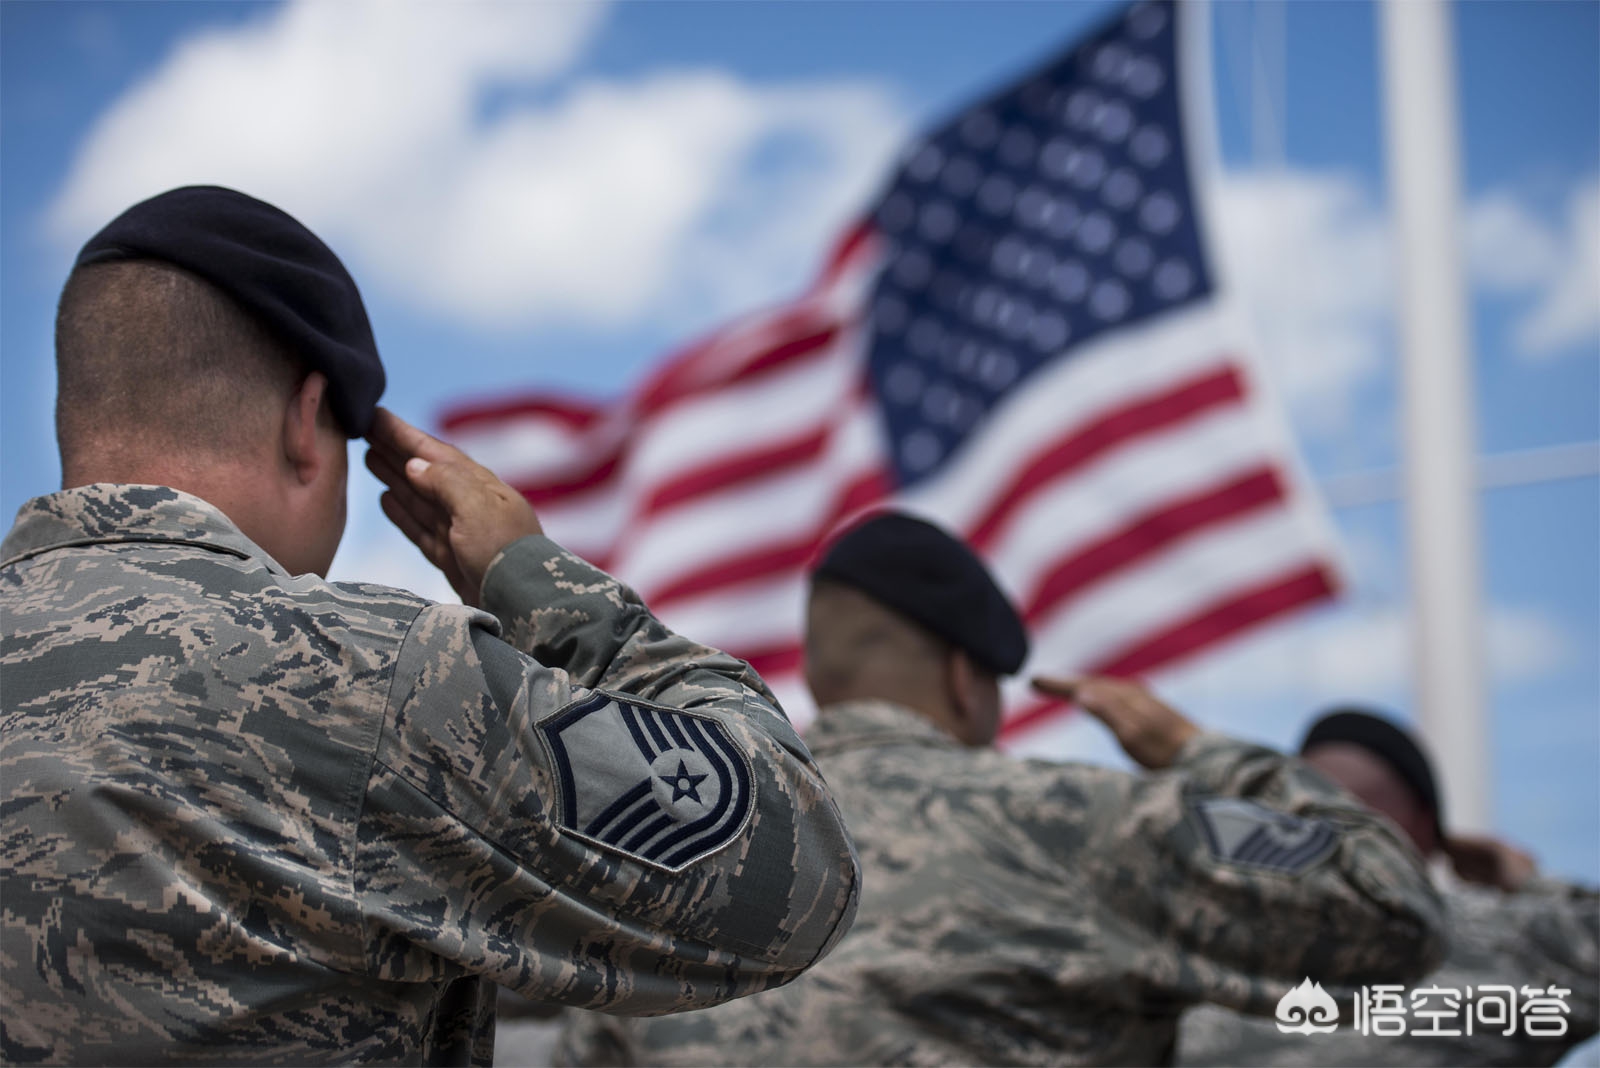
(249, 817)
(1546, 935)
(1022, 912)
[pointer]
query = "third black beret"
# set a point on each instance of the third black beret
(1388, 742)
(934, 579)
(272, 266)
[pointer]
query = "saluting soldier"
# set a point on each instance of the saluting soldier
(1515, 935)
(1023, 912)
(250, 815)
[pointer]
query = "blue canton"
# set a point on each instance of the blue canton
(1031, 223)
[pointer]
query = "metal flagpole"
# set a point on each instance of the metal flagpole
(1441, 507)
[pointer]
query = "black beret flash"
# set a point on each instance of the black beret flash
(925, 574)
(272, 266)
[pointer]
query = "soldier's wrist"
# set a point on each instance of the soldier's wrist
(515, 575)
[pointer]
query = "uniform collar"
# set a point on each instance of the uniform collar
(850, 724)
(112, 512)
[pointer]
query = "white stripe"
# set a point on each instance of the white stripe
(1106, 373)
(755, 615)
(1192, 575)
(720, 426)
(587, 523)
(1100, 499)
(528, 448)
(774, 511)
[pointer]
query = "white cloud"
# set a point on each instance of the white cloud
(1568, 310)
(1310, 253)
(1508, 247)
(578, 200)
(1512, 250)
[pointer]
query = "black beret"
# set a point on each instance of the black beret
(923, 573)
(276, 269)
(1388, 742)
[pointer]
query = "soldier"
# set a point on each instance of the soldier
(1022, 912)
(253, 816)
(1508, 926)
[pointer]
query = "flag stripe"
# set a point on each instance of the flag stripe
(736, 564)
(742, 468)
(1185, 401)
(1150, 533)
(787, 368)
(1188, 636)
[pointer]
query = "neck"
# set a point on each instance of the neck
(234, 487)
(929, 706)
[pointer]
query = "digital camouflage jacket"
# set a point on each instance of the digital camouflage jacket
(249, 817)
(1024, 912)
(1547, 935)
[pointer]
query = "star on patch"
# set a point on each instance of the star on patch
(683, 784)
(659, 784)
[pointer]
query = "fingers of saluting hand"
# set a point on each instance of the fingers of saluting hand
(433, 543)
(405, 493)
(1050, 686)
(398, 439)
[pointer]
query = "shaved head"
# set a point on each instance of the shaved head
(151, 359)
(856, 647)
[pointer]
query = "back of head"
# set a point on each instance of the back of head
(151, 361)
(181, 309)
(856, 648)
(903, 611)
(210, 342)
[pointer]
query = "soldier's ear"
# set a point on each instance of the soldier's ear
(973, 699)
(300, 427)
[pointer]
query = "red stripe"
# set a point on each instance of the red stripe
(1236, 613)
(1185, 401)
(774, 558)
(748, 467)
(1148, 534)
(588, 478)
(731, 570)
(775, 661)
(575, 414)
(800, 334)
(667, 391)
(870, 487)
(853, 242)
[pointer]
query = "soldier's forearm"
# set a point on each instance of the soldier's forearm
(566, 613)
(1217, 764)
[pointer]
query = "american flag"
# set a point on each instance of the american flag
(1026, 340)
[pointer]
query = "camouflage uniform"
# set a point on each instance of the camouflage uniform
(249, 817)
(1022, 912)
(1546, 935)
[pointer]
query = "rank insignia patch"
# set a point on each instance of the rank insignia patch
(1246, 833)
(659, 784)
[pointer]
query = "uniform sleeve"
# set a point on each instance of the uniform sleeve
(594, 811)
(1552, 929)
(1244, 873)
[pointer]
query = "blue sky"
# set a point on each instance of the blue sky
(692, 160)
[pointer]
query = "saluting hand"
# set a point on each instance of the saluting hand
(453, 509)
(1489, 862)
(1148, 731)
